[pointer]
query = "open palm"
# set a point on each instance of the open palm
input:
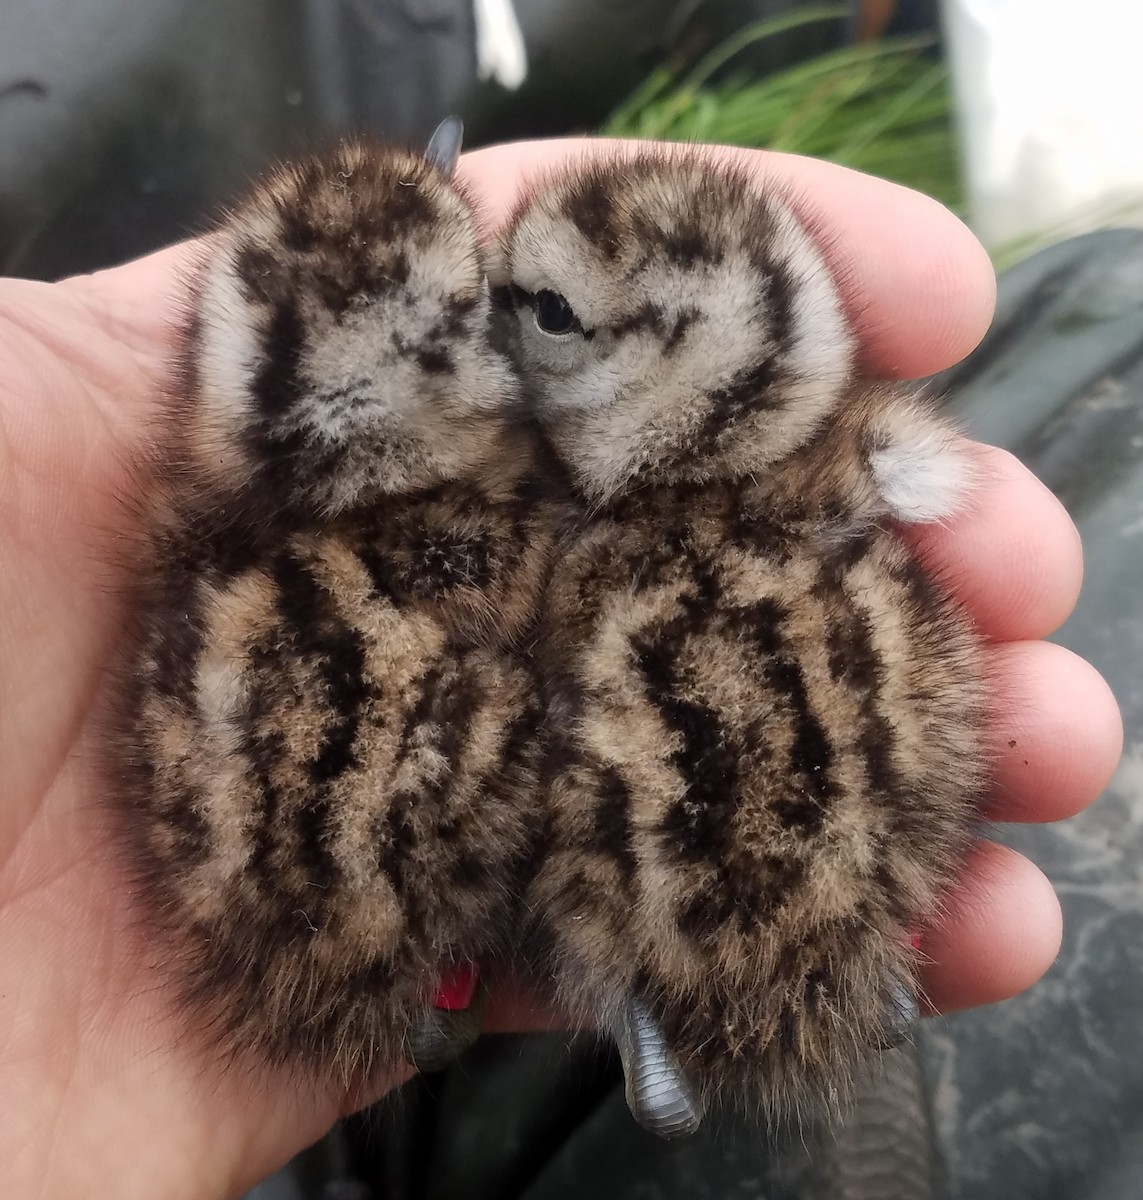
(101, 1093)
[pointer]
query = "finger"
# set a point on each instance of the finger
(1057, 733)
(1000, 933)
(1013, 557)
(140, 303)
(919, 286)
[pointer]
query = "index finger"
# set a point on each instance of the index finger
(919, 287)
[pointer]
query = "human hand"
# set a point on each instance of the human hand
(101, 1093)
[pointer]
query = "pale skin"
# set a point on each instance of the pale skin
(102, 1092)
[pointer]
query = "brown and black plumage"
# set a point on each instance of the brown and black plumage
(323, 743)
(766, 717)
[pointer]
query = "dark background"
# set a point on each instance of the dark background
(124, 123)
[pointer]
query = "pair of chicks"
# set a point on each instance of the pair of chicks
(543, 608)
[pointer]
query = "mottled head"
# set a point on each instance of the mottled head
(339, 347)
(674, 320)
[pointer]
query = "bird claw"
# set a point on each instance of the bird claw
(658, 1094)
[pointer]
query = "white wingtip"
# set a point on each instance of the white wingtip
(923, 474)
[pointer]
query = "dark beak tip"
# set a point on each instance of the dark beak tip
(443, 149)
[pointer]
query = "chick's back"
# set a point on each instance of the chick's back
(322, 741)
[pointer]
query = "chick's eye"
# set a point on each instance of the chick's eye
(553, 313)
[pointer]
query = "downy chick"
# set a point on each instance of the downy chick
(323, 746)
(766, 716)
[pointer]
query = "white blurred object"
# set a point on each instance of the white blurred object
(1050, 99)
(500, 51)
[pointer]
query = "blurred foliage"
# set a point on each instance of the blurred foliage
(881, 107)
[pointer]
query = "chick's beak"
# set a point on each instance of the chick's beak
(443, 149)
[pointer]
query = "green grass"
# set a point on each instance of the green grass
(882, 107)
